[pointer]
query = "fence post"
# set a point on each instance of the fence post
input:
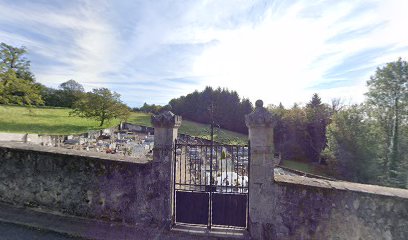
(166, 127)
(260, 124)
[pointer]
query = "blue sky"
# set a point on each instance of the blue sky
(152, 51)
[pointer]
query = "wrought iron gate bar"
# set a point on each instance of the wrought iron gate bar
(208, 145)
(220, 173)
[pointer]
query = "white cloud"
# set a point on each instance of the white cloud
(273, 50)
(274, 60)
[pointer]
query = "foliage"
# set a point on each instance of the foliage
(354, 146)
(317, 117)
(46, 120)
(220, 135)
(101, 104)
(153, 108)
(14, 90)
(223, 155)
(299, 132)
(388, 99)
(71, 86)
(12, 58)
(227, 108)
(290, 132)
(368, 143)
(68, 93)
(17, 83)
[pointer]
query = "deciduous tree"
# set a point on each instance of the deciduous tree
(102, 105)
(14, 90)
(317, 115)
(354, 146)
(388, 98)
(12, 58)
(17, 83)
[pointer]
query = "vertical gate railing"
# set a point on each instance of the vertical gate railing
(211, 184)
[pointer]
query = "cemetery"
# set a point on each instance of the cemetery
(142, 120)
(255, 200)
(126, 139)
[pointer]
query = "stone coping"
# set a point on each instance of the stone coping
(71, 152)
(342, 185)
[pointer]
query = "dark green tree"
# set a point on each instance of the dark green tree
(354, 146)
(388, 98)
(153, 108)
(12, 58)
(102, 105)
(14, 90)
(70, 91)
(71, 86)
(280, 132)
(17, 83)
(317, 115)
(67, 94)
(227, 107)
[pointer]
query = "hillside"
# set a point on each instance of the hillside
(57, 121)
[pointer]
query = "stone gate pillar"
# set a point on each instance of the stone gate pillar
(166, 127)
(261, 202)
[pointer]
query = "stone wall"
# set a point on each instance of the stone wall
(13, 137)
(30, 138)
(308, 208)
(297, 207)
(84, 184)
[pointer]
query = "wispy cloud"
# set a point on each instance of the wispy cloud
(280, 51)
(330, 47)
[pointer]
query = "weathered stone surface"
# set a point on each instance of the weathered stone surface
(87, 186)
(295, 207)
(166, 119)
(260, 125)
(342, 185)
(166, 127)
(304, 211)
(260, 117)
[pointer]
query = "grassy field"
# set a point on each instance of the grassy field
(220, 135)
(44, 121)
(196, 129)
(56, 121)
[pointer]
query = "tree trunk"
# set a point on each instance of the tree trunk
(102, 120)
(393, 150)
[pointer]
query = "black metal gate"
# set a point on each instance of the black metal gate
(211, 184)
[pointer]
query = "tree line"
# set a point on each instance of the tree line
(368, 142)
(300, 132)
(152, 108)
(365, 142)
(19, 87)
(225, 107)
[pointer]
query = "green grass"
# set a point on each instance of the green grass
(56, 121)
(140, 118)
(53, 121)
(220, 135)
(196, 129)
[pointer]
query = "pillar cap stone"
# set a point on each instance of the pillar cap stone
(166, 119)
(260, 117)
(259, 103)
